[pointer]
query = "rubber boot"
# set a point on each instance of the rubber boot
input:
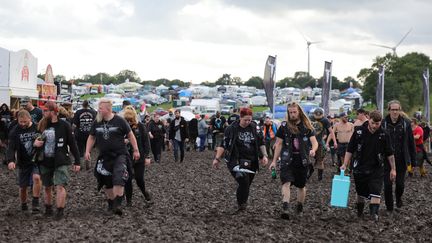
(116, 205)
(410, 170)
(110, 204)
(35, 205)
(373, 209)
(422, 171)
(299, 208)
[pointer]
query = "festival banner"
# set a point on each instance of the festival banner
(380, 89)
(268, 80)
(325, 93)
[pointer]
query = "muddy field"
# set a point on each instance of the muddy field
(194, 203)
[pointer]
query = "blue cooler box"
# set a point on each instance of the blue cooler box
(340, 190)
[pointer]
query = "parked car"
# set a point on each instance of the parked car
(160, 111)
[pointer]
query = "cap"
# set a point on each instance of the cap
(318, 112)
(24, 101)
(342, 114)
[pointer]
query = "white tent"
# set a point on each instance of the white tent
(129, 86)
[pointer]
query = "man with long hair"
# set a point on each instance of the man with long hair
(295, 142)
(108, 132)
(54, 167)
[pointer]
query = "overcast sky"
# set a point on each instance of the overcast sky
(199, 40)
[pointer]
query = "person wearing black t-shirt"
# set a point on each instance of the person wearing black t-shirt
(19, 154)
(233, 117)
(371, 146)
(35, 112)
(241, 148)
(295, 142)
(82, 122)
(57, 145)
(157, 136)
(108, 132)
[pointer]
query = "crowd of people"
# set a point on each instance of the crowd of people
(377, 151)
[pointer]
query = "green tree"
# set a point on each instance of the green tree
(224, 80)
(403, 79)
(255, 81)
(209, 84)
(236, 81)
(127, 74)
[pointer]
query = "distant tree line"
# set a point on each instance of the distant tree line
(403, 79)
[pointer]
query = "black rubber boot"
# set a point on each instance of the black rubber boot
(60, 213)
(35, 205)
(373, 209)
(110, 204)
(117, 204)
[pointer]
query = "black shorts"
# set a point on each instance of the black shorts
(25, 175)
(294, 172)
(369, 184)
(119, 172)
(342, 147)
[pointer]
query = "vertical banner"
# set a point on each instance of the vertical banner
(268, 80)
(380, 89)
(426, 94)
(325, 94)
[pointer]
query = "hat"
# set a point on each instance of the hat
(24, 101)
(342, 114)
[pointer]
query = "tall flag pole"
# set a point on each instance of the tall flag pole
(380, 89)
(325, 94)
(269, 82)
(426, 94)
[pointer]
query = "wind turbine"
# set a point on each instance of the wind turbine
(309, 43)
(396, 46)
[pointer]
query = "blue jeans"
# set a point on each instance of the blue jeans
(203, 138)
(178, 145)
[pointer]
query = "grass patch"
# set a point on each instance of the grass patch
(259, 108)
(91, 96)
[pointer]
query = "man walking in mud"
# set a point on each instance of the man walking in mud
(402, 140)
(82, 122)
(19, 154)
(179, 135)
(372, 150)
(324, 133)
(109, 132)
(295, 142)
(54, 167)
